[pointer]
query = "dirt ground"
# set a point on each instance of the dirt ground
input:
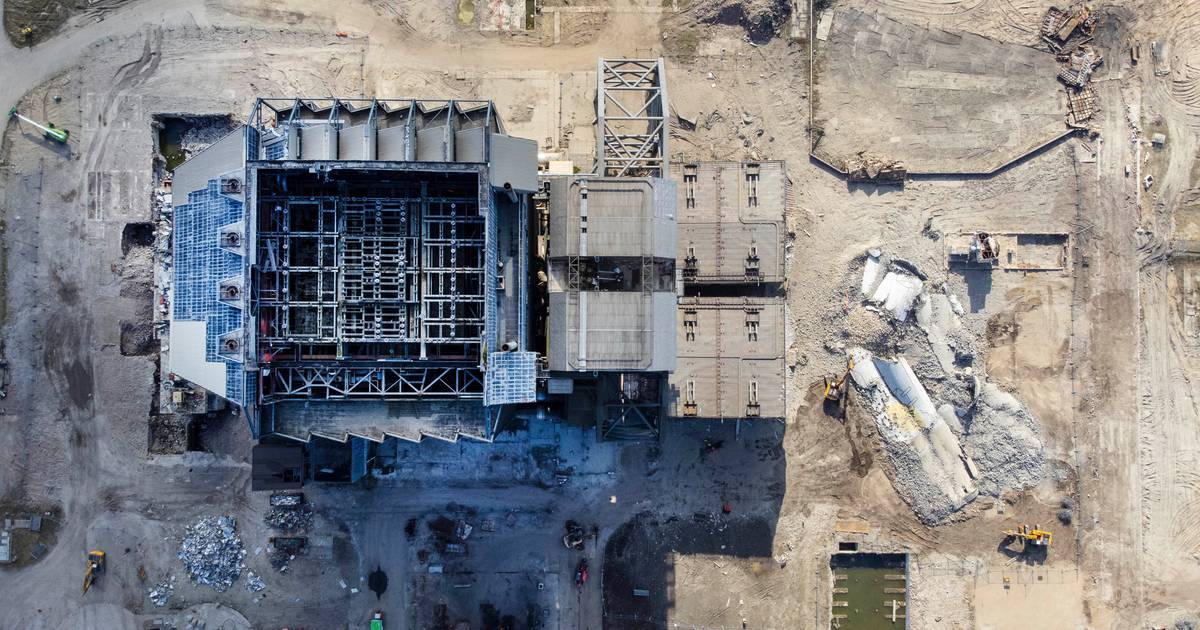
(46, 18)
(1103, 353)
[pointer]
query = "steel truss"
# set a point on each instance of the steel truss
(630, 421)
(631, 118)
(630, 415)
(333, 383)
(400, 269)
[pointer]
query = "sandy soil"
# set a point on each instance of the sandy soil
(1103, 353)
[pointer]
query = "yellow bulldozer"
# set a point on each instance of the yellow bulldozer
(95, 567)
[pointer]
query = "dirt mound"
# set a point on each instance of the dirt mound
(1005, 441)
(761, 19)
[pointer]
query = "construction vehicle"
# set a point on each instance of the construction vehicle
(49, 131)
(835, 391)
(95, 567)
(575, 536)
(1030, 536)
(377, 620)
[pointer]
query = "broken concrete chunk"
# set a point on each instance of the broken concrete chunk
(870, 272)
(897, 292)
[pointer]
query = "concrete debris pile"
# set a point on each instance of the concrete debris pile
(1005, 440)
(938, 316)
(160, 593)
(932, 471)
(201, 132)
(865, 167)
(212, 552)
(897, 289)
(976, 439)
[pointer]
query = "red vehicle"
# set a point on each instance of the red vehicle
(581, 573)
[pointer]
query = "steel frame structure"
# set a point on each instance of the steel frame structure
(631, 118)
(337, 382)
(387, 268)
(626, 418)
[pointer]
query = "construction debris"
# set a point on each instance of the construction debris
(1004, 440)
(1068, 35)
(287, 499)
(898, 289)
(212, 552)
(873, 168)
(161, 592)
(1078, 66)
(1059, 25)
(286, 519)
(254, 583)
(932, 471)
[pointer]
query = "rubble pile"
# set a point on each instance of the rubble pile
(289, 519)
(865, 167)
(932, 472)
(761, 19)
(287, 499)
(254, 583)
(1004, 440)
(160, 593)
(212, 552)
(949, 433)
(203, 132)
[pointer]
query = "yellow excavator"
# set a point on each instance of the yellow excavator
(835, 388)
(1035, 536)
(95, 566)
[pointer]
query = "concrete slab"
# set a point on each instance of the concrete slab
(937, 100)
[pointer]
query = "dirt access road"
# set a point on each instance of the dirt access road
(25, 68)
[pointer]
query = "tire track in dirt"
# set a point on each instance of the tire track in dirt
(1181, 36)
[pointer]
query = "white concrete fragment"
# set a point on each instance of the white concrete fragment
(897, 292)
(955, 305)
(870, 272)
(933, 472)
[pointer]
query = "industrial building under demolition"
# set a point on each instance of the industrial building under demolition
(360, 270)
